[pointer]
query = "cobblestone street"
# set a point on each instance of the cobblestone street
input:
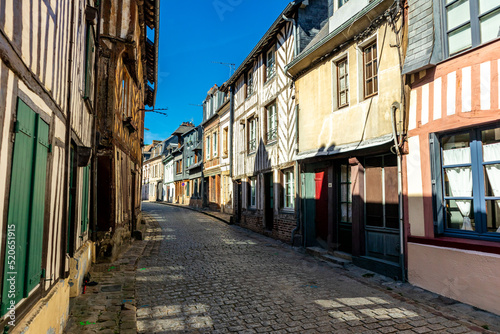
(203, 276)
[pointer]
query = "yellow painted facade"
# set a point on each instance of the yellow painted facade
(324, 126)
(49, 315)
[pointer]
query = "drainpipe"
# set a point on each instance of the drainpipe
(297, 176)
(231, 120)
(64, 234)
(394, 108)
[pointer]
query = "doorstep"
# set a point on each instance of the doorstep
(339, 258)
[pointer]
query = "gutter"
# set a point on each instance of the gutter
(263, 40)
(231, 126)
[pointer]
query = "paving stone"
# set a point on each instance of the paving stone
(199, 275)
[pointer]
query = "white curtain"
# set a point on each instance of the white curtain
(492, 153)
(460, 180)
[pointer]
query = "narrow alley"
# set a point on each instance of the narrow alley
(210, 277)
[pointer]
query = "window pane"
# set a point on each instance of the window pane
(344, 192)
(343, 173)
(490, 26)
(456, 149)
(459, 215)
(343, 98)
(344, 216)
(493, 216)
(458, 14)
(492, 180)
(458, 182)
(486, 5)
(460, 39)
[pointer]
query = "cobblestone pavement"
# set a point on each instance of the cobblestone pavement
(204, 276)
(110, 306)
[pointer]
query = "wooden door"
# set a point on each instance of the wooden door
(269, 200)
(321, 199)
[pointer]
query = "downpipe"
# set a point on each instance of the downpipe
(395, 106)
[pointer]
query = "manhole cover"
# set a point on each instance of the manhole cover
(111, 288)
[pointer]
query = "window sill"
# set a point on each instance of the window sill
(269, 79)
(251, 153)
(459, 243)
(287, 211)
(273, 142)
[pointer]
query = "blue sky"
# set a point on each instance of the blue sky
(193, 34)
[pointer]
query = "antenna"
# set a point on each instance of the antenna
(232, 67)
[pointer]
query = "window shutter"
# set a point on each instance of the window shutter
(19, 204)
(35, 243)
(437, 184)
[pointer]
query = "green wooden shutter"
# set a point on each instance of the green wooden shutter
(29, 163)
(85, 199)
(35, 241)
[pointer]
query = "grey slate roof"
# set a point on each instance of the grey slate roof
(420, 36)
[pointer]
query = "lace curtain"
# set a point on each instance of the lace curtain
(492, 153)
(460, 181)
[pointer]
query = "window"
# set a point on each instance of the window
(179, 166)
(272, 123)
(370, 70)
(288, 191)
(225, 142)
(124, 101)
(215, 144)
(342, 83)
(468, 202)
(342, 2)
(252, 135)
(207, 138)
(270, 64)
(381, 197)
(250, 83)
(252, 193)
(89, 63)
(470, 23)
(345, 198)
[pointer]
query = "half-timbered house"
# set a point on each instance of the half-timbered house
(47, 107)
(452, 169)
(349, 95)
(264, 123)
(127, 71)
(215, 100)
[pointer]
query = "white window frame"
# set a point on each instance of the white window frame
(207, 148)
(270, 128)
(215, 150)
(252, 135)
(289, 189)
(252, 201)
